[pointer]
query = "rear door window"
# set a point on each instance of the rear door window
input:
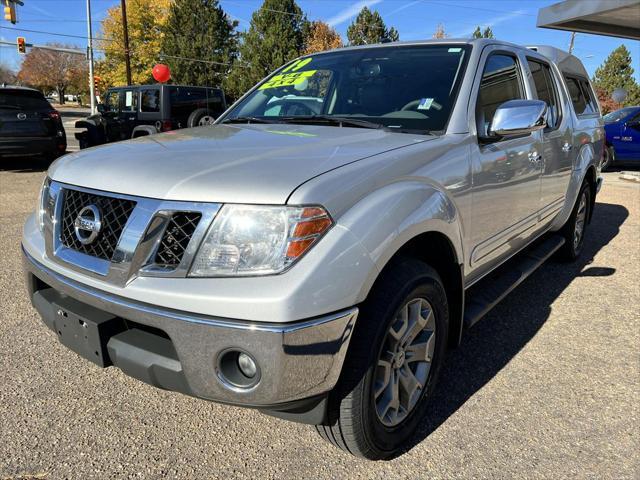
(589, 96)
(546, 90)
(150, 100)
(581, 98)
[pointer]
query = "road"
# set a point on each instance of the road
(70, 114)
(545, 386)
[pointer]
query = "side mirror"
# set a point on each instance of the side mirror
(519, 117)
(101, 108)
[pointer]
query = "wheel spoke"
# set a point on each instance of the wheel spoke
(390, 399)
(383, 377)
(421, 351)
(417, 319)
(409, 386)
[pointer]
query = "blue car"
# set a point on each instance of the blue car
(623, 136)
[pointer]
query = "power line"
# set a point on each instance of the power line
(56, 34)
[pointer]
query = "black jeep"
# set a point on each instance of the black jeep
(133, 111)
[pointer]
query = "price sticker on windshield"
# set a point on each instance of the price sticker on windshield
(287, 79)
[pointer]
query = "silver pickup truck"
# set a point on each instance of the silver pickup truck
(315, 252)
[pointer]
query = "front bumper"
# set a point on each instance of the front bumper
(178, 351)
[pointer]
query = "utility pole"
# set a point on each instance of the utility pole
(92, 91)
(127, 59)
(573, 38)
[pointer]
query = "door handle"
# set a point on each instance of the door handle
(567, 147)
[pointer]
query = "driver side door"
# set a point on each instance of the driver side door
(506, 171)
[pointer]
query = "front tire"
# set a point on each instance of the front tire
(392, 365)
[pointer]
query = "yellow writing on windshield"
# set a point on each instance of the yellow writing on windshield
(287, 79)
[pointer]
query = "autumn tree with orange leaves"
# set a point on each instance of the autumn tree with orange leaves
(321, 37)
(53, 70)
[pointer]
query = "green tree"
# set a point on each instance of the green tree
(368, 28)
(275, 36)
(617, 72)
(487, 33)
(199, 29)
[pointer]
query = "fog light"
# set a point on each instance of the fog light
(237, 370)
(247, 365)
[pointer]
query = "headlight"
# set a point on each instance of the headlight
(43, 208)
(258, 240)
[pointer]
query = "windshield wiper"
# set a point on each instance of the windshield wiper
(249, 120)
(334, 120)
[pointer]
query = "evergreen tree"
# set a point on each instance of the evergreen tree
(199, 29)
(617, 72)
(276, 35)
(368, 28)
(487, 33)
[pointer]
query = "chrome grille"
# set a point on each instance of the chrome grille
(175, 238)
(115, 213)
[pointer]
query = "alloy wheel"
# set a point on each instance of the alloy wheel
(206, 120)
(580, 221)
(405, 361)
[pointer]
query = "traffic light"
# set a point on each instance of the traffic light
(96, 83)
(22, 45)
(9, 11)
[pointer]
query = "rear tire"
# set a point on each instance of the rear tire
(575, 228)
(382, 395)
(609, 158)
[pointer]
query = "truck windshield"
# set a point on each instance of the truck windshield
(402, 88)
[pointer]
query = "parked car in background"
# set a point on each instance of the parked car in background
(315, 252)
(133, 111)
(623, 136)
(29, 125)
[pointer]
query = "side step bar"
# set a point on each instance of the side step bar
(483, 296)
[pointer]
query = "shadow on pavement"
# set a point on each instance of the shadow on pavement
(496, 339)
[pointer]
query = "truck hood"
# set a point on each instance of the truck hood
(224, 163)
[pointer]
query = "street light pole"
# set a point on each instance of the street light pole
(571, 42)
(92, 92)
(125, 29)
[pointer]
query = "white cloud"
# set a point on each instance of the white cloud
(350, 12)
(491, 23)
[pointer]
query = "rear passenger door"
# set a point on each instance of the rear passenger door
(558, 153)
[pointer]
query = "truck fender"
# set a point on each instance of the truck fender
(143, 130)
(586, 163)
(93, 134)
(390, 217)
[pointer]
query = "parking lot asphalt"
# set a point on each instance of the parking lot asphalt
(547, 385)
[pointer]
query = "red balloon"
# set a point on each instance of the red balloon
(161, 73)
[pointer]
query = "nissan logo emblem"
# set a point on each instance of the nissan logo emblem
(88, 224)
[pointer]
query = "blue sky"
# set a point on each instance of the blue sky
(513, 21)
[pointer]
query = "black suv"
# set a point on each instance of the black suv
(29, 125)
(133, 111)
